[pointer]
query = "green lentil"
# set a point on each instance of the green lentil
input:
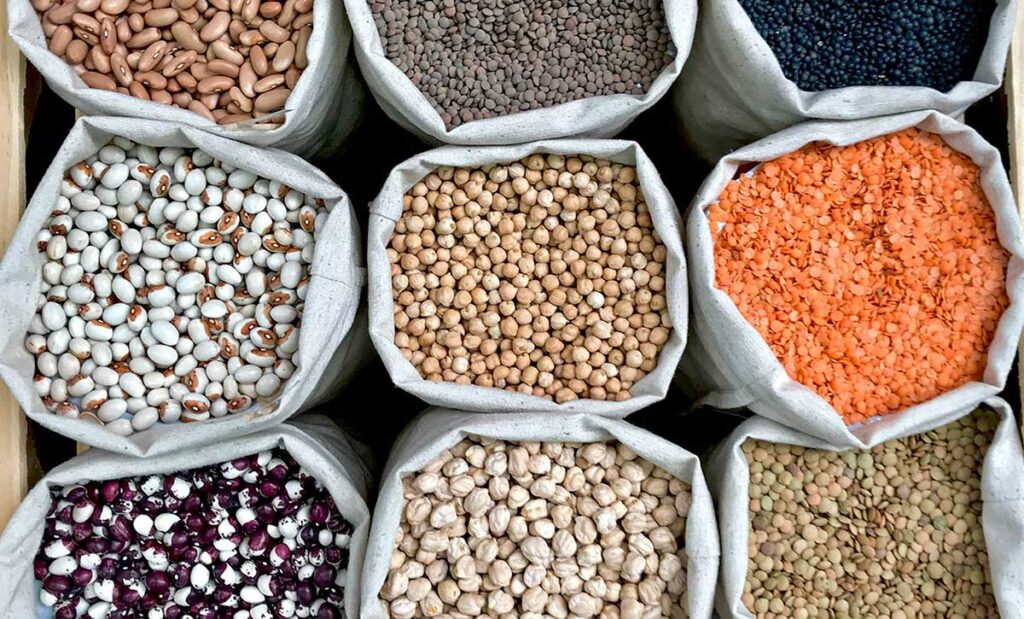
(893, 531)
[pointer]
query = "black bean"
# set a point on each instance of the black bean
(826, 44)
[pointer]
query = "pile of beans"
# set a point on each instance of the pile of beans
(227, 60)
(873, 271)
(543, 276)
(895, 531)
(487, 58)
(825, 44)
(535, 530)
(254, 538)
(172, 289)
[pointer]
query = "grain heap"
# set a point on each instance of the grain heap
(257, 537)
(530, 530)
(226, 60)
(895, 531)
(173, 288)
(488, 58)
(825, 44)
(542, 276)
(873, 271)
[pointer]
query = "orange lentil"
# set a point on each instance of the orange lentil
(872, 270)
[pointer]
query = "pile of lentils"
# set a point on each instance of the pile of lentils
(254, 538)
(826, 44)
(895, 531)
(544, 276)
(486, 58)
(501, 529)
(227, 60)
(172, 288)
(874, 271)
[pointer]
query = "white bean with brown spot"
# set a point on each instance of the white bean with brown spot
(149, 311)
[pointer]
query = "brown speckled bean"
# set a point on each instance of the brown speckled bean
(215, 84)
(119, 66)
(179, 63)
(161, 17)
(202, 110)
(108, 35)
(216, 27)
(77, 51)
(284, 19)
(99, 80)
(223, 67)
(268, 83)
(61, 14)
(274, 32)
(283, 57)
(306, 19)
(100, 61)
(301, 60)
(251, 37)
(246, 80)
(233, 118)
(60, 39)
(258, 58)
(152, 56)
(243, 102)
(144, 38)
(113, 7)
(151, 79)
(161, 96)
(272, 100)
(223, 51)
(138, 90)
(187, 37)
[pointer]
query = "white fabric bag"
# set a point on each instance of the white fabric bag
(602, 116)
(730, 364)
(322, 110)
(387, 209)
(1002, 491)
(439, 429)
(732, 90)
(315, 442)
(330, 344)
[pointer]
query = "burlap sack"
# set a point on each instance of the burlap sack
(1002, 488)
(438, 429)
(330, 346)
(314, 441)
(322, 110)
(594, 117)
(387, 209)
(729, 362)
(732, 90)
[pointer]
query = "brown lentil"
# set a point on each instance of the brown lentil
(532, 530)
(894, 531)
(543, 276)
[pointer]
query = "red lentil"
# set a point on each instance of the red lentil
(872, 270)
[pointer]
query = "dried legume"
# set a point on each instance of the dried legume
(543, 276)
(488, 58)
(825, 44)
(256, 537)
(535, 530)
(873, 270)
(172, 288)
(205, 56)
(895, 531)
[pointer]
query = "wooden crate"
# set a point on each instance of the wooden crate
(16, 452)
